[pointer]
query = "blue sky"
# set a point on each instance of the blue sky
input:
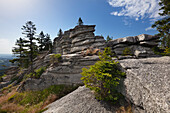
(117, 18)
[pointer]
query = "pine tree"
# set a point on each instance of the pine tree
(60, 33)
(29, 31)
(163, 25)
(20, 52)
(41, 39)
(80, 22)
(108, 38)
(47, 43)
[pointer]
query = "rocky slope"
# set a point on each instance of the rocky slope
(146, 86)
(66, 72)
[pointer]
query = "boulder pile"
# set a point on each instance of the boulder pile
(139, 46)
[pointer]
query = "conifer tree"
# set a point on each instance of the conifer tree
(41, 39)
(47, 43)
(20, 52)
(80, 22)
(60, 33)
(29, 31)
(108, 38)
(163, 25)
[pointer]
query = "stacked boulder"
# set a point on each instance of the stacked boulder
(139, 46)
(77, 40)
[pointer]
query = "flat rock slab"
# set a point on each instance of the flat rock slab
(148, 83)
(81, 100)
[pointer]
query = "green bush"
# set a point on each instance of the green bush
(127, 51)
(167, 51)
(104, 77)
(161, 51)
(4, 75)
(55, 58)
(37, 73)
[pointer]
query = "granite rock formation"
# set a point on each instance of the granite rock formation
(66, 72)
(77, 40)
(147, 84)
(139, 46)
(81, 100)
(146, 87)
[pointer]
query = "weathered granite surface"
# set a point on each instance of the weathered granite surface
(140, 46)
(81, 100)
(148, 83)
(77, 40)
(147, 87)
(67, 72)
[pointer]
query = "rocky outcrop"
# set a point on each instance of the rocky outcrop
(77, 40)
(147, 84)
(139, 46)
(67, 72)
(146, 87)
(81, 100)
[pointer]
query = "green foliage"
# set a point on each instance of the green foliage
(127, 51)
(4, 75)
(35, 97)
(55, 58)
(29, 30)
(167, 51)
(37, 73)
(106, 55)
(163, 25)
(109, 38)
(41, 38)
(160, 51)
(44, 41)
(104, 77)
(48, 43)
(1, 77)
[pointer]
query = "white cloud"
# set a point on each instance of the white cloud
(5, 46)
(137, 9)
(149, 28)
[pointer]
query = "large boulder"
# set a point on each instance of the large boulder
(81, 100)
(147, 84)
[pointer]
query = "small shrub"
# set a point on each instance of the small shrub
(167, 51)
(37, 73)
(103, 77)
(106, 55)
(1, 77)
(161, 51)
(55, 58)
(127, 51)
